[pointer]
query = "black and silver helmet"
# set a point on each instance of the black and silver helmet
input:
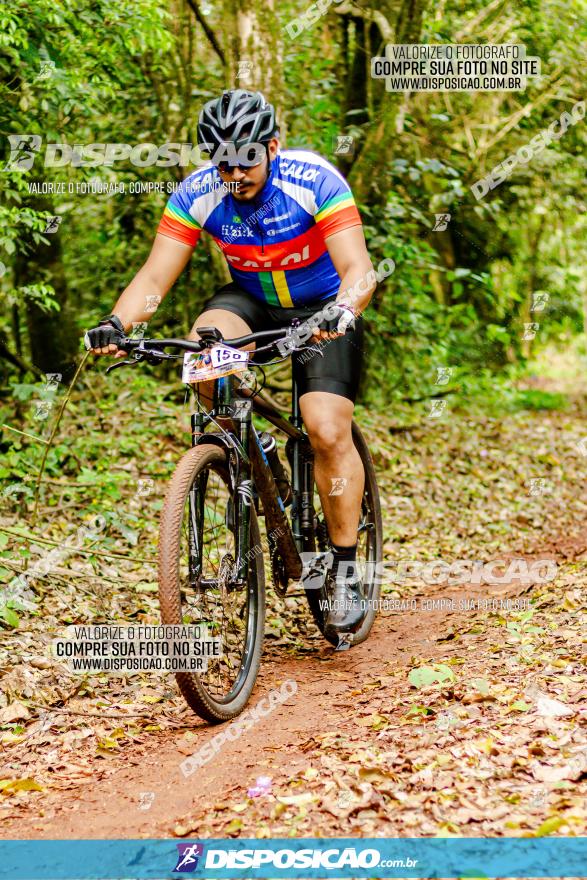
(237, 116)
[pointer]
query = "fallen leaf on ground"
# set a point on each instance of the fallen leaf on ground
(14, 712)
(9, 786)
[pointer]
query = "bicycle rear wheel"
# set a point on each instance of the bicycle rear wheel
(369, 546)
(198, 588)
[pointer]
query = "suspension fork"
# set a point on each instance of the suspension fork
(302, 480)
(196, 506)
(240, 463)
(236, 416)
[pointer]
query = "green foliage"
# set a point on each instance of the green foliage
(108, 72)
(537, 400)
(424, 676)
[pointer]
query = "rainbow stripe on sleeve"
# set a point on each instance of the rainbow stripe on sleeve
(180, 225)
(337, 213)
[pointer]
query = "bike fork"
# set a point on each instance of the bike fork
(196, 509)
(242, 493)
(302, 481)
(243, 487)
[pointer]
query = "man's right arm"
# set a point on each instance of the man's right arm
(166, 262)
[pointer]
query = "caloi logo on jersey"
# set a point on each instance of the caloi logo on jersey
(299, 172)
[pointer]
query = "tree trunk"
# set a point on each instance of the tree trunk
(528, 317)
(367, 177)
(354, 111)
(258, 64)
(53, 336)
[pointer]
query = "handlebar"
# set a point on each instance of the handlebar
(198, 345)
(151, 350)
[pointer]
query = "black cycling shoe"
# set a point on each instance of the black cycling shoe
(347, 609)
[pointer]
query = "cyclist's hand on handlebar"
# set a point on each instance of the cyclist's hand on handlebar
(337, 326)
(105, 338)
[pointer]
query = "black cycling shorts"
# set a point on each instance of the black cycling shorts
(337, 369)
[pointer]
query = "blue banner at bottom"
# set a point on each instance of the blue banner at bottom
(300, 858)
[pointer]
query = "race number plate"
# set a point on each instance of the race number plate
(220, 360)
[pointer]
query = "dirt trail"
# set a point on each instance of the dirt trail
(443, 723)
(110, 807)
(328, 699)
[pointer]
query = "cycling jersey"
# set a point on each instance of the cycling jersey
(274, 244)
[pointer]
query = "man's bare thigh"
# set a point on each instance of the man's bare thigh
(229, 324)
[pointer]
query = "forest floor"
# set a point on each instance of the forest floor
(462, 720)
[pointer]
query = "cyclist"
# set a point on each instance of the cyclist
(293, 240)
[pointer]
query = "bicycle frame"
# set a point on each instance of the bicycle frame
(248, 462)
(242, 467)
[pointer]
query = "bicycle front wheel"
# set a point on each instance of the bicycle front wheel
(197, 556)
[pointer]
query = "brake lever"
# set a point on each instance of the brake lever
(310, 346)
(315, 347)
(152, 356)
(135, 358)
(132, 363)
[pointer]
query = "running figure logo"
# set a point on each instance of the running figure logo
(188, 855)
(441, 222)
(22, 151)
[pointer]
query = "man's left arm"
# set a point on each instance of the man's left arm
(348, 252)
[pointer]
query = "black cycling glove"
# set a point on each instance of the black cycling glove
(108, 332)
(338, 318)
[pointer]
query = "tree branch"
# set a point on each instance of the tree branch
(17, 361)
(473, 26)
(207, 30)
(526, 110)
(349, 8)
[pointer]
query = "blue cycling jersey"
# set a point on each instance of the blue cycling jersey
(275, 245)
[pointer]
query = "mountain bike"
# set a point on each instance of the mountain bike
(211, 555)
